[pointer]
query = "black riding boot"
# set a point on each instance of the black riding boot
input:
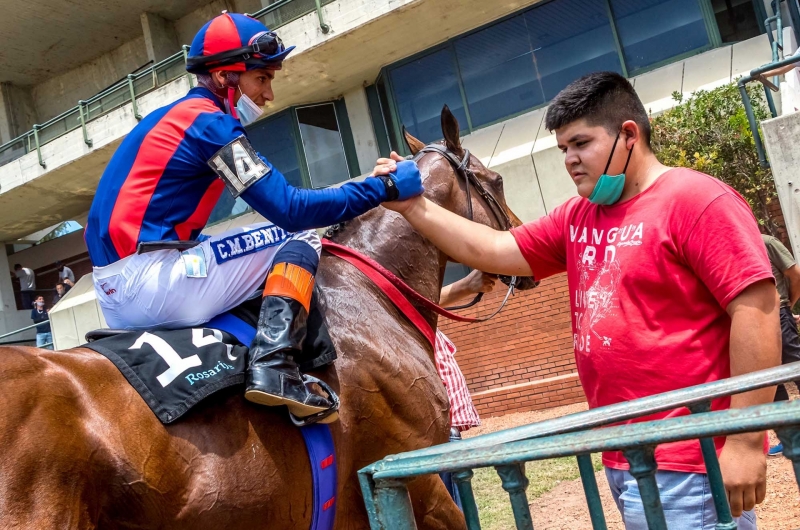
(273, 377)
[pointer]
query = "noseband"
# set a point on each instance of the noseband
(463, 171)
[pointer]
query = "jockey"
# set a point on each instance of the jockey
(162, 184)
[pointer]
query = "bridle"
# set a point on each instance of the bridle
(462, 169)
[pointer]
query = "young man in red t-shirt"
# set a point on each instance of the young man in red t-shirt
(670, 286)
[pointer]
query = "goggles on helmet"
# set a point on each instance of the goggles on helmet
(263, 50)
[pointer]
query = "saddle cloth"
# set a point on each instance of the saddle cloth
(173, 370)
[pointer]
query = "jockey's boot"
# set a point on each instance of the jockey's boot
(273, 376)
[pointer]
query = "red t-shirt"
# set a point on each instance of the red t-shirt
(649, 282)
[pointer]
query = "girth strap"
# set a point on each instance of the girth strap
(322, 456)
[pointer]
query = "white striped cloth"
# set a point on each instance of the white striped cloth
(463, 414)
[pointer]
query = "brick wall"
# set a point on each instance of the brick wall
(523, 358)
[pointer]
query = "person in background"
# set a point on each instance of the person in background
(68, 284)
(61, 290)
(463, 415)
(27, 284)
(64, 272)
(43, 334)
(787, 281)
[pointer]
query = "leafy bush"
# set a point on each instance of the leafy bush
(709, 132)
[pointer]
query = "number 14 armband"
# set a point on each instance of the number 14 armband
(238, 165)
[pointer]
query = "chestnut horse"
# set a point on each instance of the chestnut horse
(81, 449)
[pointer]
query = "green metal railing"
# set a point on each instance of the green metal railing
(276, 14)
(384, 483)
(776, 44)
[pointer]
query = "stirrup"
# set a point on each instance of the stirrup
(319, 416)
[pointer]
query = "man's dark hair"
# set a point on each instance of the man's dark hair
(601, 98)
(17, 267)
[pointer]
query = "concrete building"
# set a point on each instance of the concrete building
(362, 70)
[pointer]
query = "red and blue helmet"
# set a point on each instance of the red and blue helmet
(235, 42)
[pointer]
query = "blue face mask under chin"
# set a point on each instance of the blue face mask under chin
(608, 189)
(247, 110)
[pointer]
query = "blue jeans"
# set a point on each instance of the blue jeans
(686, 498)
(447, 478)
(44, 338)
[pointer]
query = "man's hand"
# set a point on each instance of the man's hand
(479, 282)
(405, 179)
(475, 282)
(387, 165)
(755, 345)
(744, 471)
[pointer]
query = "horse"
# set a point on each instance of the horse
(81, 449)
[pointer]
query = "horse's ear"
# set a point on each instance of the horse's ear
(414, 145)
(450, 129)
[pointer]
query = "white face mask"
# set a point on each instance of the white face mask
(247, 110)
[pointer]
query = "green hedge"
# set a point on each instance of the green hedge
(709, 132)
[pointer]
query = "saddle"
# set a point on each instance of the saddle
(203, 360)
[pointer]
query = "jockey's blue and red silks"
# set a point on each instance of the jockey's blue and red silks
(159, 186)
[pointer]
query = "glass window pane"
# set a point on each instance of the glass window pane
(274, 139)
(560, 33)
(498, 71)
(655, 30)
(454, 272)
(227, 207)
(736, 19)
(322, 145)
(421, 88)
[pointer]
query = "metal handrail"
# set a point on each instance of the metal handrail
(126, 88)
(755, 75)
(383, 483)
(600, 417)
(24, 329)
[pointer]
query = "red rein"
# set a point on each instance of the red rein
(396, 289)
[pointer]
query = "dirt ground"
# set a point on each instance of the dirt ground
(564, 507)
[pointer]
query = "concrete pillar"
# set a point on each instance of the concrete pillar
(780, 136)
(17, 111)
(363, 132)
(7, 302)
(10, 318)
(160, 38)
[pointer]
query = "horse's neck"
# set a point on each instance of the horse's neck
(387, 238)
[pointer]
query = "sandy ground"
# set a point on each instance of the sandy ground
(564, 507)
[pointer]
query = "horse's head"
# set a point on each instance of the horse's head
(458, 181)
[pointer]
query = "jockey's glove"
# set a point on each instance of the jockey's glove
(405, 182)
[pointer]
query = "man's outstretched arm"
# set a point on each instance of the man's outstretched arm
(472, 244)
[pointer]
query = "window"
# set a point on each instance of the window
(560, 32)
(322, 144)
(520, 63)
(421, 87)
(499, 72)
(652, 31)
(454, 272)
(737, 19)
(312, 146)
(276, 139)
